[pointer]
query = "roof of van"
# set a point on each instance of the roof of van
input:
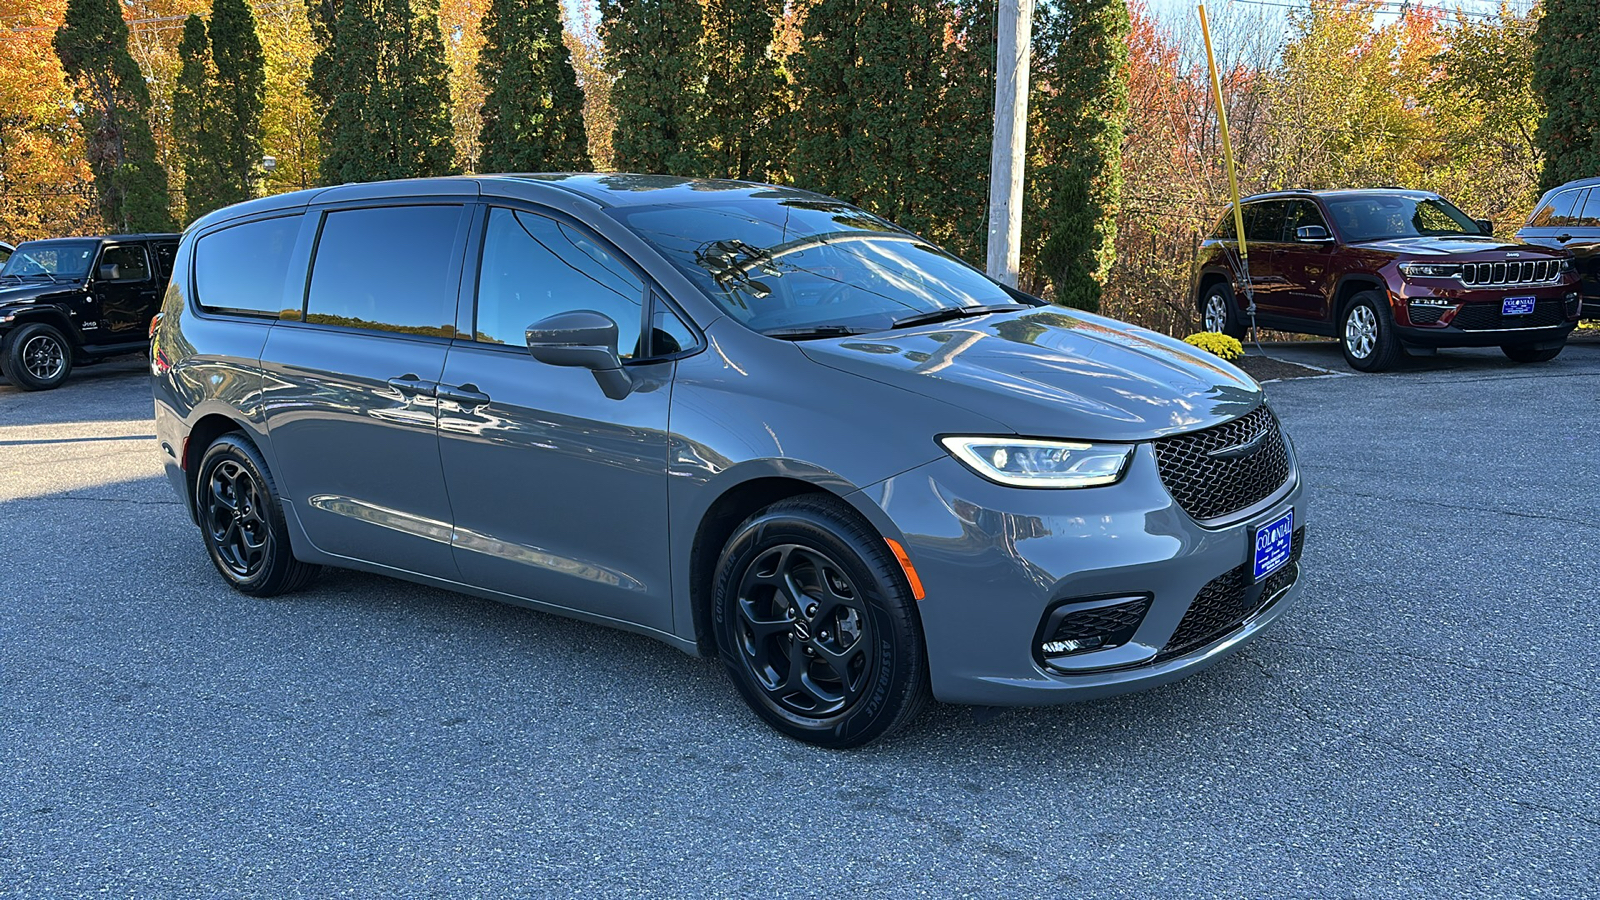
(606, 189)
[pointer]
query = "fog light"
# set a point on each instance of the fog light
(1062, 648)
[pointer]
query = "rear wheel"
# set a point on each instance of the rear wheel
(816, 626)
(1367, 333)
(1528, 353)
(37, 357)
(241, 519)
(1219, 313)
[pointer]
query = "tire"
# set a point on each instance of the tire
(1527, 353)
(241, 520)
(1366, 333)
(840, 665)
(37, 357)
(1219, 312)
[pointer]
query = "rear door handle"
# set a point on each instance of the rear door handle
(464, 394)
(411, 384)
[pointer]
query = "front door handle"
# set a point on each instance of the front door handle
(463, 394)
(411, 384)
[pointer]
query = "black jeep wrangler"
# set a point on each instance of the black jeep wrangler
(74, 301)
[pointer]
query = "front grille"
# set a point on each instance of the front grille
(1533, 271)
(1426, 315)
(1487, 316)
(1227, 600)
(1210, 486)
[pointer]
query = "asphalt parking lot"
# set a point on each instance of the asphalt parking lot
(1423, 724)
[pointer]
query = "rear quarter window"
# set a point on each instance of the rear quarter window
(241, 269)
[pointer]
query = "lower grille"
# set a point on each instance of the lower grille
(1426, 315)
(1487, 316)
(1227, 600)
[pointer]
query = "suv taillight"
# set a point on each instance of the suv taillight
(155, 322)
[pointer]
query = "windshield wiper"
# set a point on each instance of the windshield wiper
(820, 331)
(955, 312)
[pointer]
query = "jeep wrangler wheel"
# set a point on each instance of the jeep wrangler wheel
(37, 357)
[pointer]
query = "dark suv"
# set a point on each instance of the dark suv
(1568, 218)
(1385, 270)
(78, 300)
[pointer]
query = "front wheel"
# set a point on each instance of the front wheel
(1527, 353)
(816, 625)
(241, 520)
(1367, 331)
(37, 357)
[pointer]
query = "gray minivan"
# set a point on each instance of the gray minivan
(750, 421)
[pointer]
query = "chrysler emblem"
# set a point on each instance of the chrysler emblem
(1239, 451)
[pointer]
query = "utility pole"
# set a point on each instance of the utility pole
(1008, 156)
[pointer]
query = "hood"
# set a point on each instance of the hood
(1459, 245)
(31, 291)
(1053, 373)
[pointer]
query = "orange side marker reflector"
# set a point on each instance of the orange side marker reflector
(905, 565)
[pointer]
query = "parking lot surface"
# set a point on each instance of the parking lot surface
(1423, 724)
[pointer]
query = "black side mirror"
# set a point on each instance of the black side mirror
(110, 272)
(582, 338)
(1312, 234)
(1485, 225)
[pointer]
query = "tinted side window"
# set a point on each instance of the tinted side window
(242, 269)
(131, 261)
(1224, 230)
(164, 254)
(668, 333)
(1301, 214)
(1559, 211)
(1263, 222)
(534, 267)
(386, 268)
(1591, 211)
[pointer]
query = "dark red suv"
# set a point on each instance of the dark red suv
(1383, 271)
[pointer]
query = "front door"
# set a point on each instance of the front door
(348, 385)
(1263, 231)
(1304, 264)
(559, 493)
(125, 295)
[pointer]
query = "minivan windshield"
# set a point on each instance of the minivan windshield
(799, 267)
(50, 259)
(1374, 217)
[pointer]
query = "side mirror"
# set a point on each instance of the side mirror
(582, 338)
(1312, 234)
(1485, 225)
(110, 272)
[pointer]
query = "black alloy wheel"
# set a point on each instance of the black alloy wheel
(816, 625)
(241, 519)
(37, 357)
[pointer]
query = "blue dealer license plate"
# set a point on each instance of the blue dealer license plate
(1274, 542)
(1516, 306)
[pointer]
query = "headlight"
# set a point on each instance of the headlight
(1043, 464)
(1429, 270)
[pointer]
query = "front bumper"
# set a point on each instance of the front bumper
(995, 560)
(1473, 319)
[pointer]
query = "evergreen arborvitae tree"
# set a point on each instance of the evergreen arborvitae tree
(380, 77)
(193, 123)
(532, 109)
(1566, 53)
(744, 91)
(238, 96)
(889, 113)
(1080, 108)
(653, 51)
(114, 106)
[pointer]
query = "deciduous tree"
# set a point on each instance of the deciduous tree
(46, 189)
(1566, 56)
